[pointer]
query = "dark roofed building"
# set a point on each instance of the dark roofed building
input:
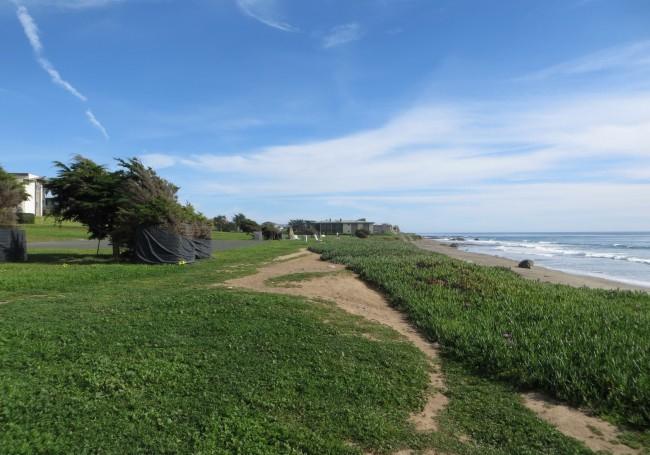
(333, 227)
(385, 228)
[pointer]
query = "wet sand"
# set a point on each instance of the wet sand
(536, 273)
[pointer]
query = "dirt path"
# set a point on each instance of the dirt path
(354, 296)
(595, 433)
(351, 294)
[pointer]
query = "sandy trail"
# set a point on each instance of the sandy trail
(354, 296)
(595, 433)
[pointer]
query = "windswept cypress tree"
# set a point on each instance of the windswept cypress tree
(12, 193)
(88, 193)
(114, 204)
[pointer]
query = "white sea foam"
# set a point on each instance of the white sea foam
(620, 257)
(605, 276)
(623, 257)
(549, 249)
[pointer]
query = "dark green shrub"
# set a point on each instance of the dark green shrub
(26, 218)
(362, 233)
(270, 231)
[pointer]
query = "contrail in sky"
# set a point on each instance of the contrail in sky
(93, 120)
(31, 31)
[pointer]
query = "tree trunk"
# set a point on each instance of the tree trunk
(98, 242)
(116, 250)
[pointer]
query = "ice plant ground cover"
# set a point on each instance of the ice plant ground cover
(586, 347)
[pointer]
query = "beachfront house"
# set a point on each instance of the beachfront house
(385, 228)
(34, 186)
(340, 226)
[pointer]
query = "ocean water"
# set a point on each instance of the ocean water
(619, 256)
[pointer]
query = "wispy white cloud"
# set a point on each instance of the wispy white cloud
(93, 121)
(628, 56)
(158, 160)
(32, 33)
(58, 80)
(30, 28)
(554, 206)
(266, 12)
(566, 157)
(342, 34)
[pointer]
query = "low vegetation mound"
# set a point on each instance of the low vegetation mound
(587, 347)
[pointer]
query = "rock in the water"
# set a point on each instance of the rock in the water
(526, 264)
(454, 245)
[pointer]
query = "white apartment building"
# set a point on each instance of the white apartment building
(34, 186)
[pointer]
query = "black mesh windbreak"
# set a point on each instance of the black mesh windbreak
(13, 245)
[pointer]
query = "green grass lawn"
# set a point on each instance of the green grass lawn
(99, 357)
(216, 235)
(47, 230)
(587, 347)
(125, 358)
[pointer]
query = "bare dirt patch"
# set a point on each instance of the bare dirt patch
(412, 452)
(426, 420)
(286, 257)
(595, 433)
(354, 296)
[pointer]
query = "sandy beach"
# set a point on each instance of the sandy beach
(536, 273)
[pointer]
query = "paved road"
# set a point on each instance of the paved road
(217, 245)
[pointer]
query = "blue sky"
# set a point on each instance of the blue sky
(437, 115)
